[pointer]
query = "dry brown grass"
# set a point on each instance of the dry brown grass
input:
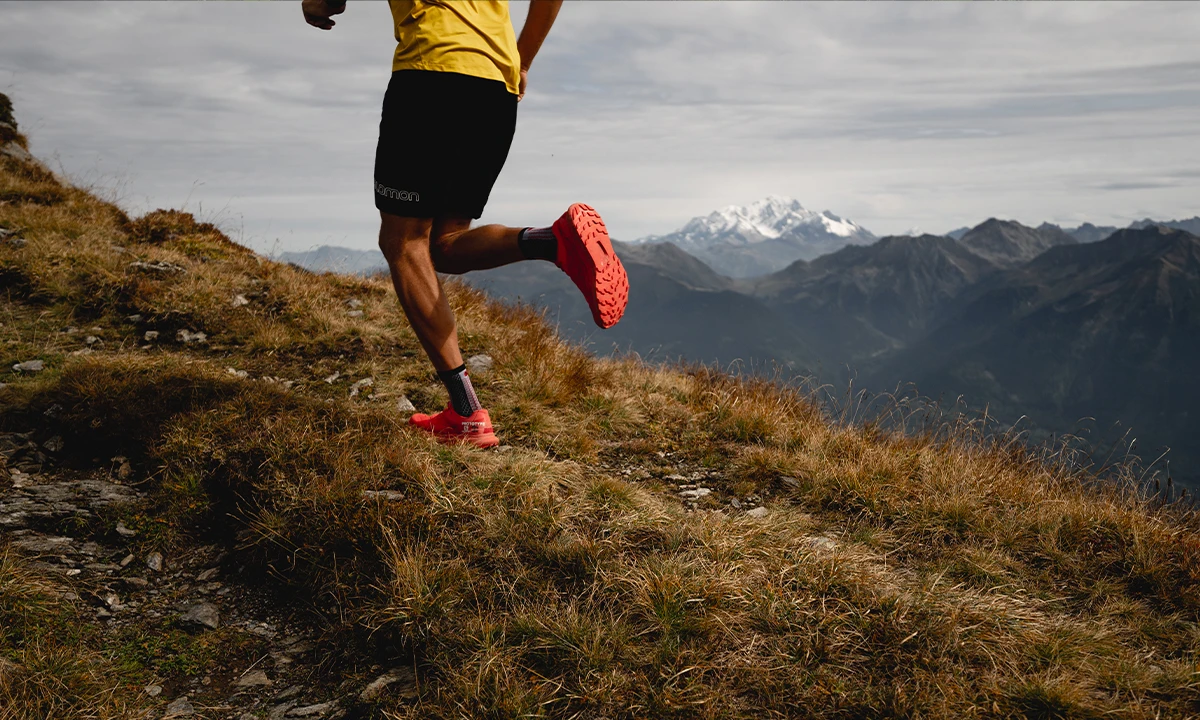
(49, 668)
(970, 578)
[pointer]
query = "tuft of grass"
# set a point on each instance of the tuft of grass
(51, 668)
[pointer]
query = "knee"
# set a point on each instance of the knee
(400, 237)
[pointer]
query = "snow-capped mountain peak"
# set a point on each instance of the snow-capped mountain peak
(765, 235)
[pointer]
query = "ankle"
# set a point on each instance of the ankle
(462, 393)
(538, 244)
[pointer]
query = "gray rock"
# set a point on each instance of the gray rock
(383, 494)
(151, 335)
(401, 678)
(135, 318)
(735, 503)
(479, 364)
(405, 405)
(54, 444)
(242, 374)
(209, 574)
(278, 712)
(46, 545)
(124, 531)
(254, 678)
(203, 615)
(179, 707)
(188, 337)
(239, 301)
(18, 153)
(820, 542)
(127, 559)
(161, 266)
(695, 494)
(317, 710)
(355, 313)
(154, 690)
(758, 512)
(39, 503)
(154, 561)
(790, 481)
(291, 692)
(333, 378)
(358, 386)
(354, 303)
(29, 366)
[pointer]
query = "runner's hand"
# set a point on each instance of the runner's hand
(318, 12)
(524, 82)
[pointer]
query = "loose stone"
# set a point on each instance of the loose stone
(203, 614)
(189, 338)
(254, 678)
(180, 707)
(317, 710)
(479, 364)
(29, 366)
(403, 676)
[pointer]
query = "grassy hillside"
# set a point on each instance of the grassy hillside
(578, 572)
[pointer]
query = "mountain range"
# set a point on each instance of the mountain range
(1042, 325)
(763, 237)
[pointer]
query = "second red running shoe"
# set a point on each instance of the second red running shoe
(450, 427)
(586, 255)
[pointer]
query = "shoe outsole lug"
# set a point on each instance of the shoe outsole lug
(607, 281)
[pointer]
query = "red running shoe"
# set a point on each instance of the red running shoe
(586, 255)
(450, 427)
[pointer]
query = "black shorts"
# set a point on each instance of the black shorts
(443, 139)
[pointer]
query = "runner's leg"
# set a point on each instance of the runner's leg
(457, 247)
(405, 244)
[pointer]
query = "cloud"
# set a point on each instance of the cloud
(894, 115)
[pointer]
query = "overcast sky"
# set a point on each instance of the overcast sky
(929, 115)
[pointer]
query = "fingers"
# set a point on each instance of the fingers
(317, 12)
(319, 22)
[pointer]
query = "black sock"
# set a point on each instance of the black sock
(538, 244)
(462, 395)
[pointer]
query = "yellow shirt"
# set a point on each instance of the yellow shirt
(472, 37)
